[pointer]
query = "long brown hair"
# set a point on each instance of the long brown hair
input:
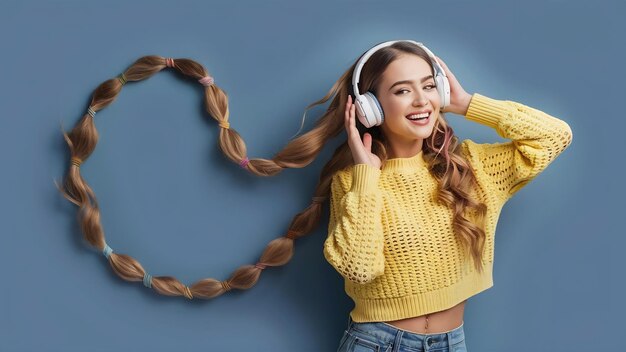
(450, 168)
(442, 150)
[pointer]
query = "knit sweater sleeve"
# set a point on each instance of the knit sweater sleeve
(536, 140)
(354, 246)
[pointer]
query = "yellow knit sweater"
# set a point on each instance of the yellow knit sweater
(394, 244)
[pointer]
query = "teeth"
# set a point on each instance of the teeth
(416, 116)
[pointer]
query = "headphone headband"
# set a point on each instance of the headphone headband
(356, 75)
(368, 108)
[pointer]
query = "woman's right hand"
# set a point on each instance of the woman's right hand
(361, 150)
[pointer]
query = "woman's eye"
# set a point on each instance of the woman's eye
(430, 86)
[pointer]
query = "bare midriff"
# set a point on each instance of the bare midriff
(432, 323)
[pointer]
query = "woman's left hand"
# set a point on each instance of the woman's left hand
(459, 98)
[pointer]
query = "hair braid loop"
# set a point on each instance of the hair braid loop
(298, 153)
(226, 286)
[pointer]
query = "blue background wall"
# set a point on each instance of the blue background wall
(171, 199)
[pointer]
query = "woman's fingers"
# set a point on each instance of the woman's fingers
(445, 67)
(349, 106)
(367, 142)
(347, 114)
(439, 60)
(361, 149)
(353, 133)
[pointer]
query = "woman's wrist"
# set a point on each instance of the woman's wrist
(465, 104)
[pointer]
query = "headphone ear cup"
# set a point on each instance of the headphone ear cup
(362, 107)
(443, 88)
(377, 115)
(365, 111)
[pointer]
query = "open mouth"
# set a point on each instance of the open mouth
(419, 119)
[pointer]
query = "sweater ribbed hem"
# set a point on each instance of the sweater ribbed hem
(389, 309)
(365, 178)
(485, 110)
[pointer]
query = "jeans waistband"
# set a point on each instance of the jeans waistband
(390, 334)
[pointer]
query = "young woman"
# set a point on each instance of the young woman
(413, 214)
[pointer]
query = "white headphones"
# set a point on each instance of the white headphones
(368, 108)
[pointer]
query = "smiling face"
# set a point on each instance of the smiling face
(399, 100)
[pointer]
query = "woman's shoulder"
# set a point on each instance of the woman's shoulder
(345, 175)
(468, 148)
(474, 151)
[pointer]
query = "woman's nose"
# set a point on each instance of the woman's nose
(420, 101)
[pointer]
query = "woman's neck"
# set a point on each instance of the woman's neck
(405, 150)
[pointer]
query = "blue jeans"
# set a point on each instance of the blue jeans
(382, 337)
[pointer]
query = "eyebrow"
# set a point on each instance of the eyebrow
(409, 81)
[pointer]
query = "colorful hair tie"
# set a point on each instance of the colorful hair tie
(206, 81)
(107, 251)
(260, 266)
(76, 161)
(91, 112)
(122, 79)
(188, 293)
(226, 286)
(292, 234)
(244, 162)
(169, 62)
(147, 280)
(224, 124)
